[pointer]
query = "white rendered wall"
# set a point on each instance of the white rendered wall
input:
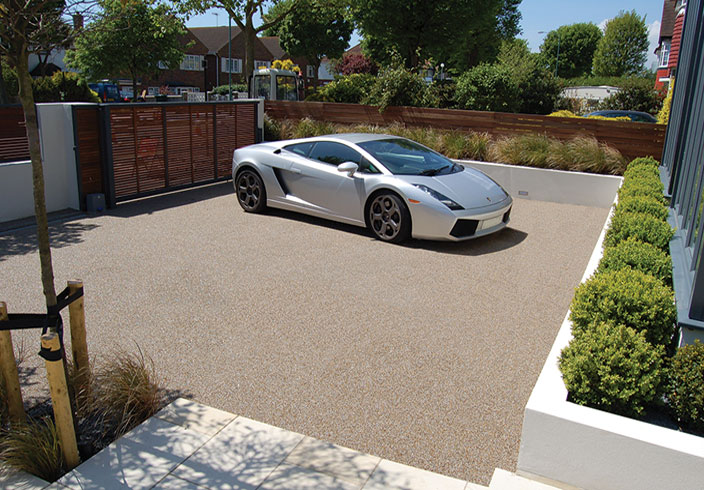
(59, 162)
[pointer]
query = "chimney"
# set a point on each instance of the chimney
(77, 22)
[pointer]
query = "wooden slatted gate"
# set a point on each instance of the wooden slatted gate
(135, 150)
(13, 135)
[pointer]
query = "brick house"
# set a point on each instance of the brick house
(670, 40)
(207, 65)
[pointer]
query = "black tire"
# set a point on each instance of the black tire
(388, 218)
(250, 190)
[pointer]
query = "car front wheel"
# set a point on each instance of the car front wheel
(389, 218)
(250, 191)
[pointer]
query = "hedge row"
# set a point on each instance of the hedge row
(624, 316)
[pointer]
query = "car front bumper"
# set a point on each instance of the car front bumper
(433, 223)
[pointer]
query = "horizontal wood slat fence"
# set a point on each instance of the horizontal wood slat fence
(631, 139)
(14, 145)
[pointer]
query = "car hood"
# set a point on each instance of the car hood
(470, 188)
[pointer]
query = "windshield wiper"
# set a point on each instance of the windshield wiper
(433, 171)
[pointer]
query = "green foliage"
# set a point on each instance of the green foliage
(664, 114)
(441, 94)
(224, 89)
(419, 30)
(594, 80)
(397, 86)
(34, 448)
(315, 29)
(62, 87)
(643, 204)
(636, 94)
(128, 39)
(644, 185)
(625, 297)
(685, 387)
(488, 88)
(643, 166)
(640, 226)
(613, 368)
(639, 256)
(577, 44)
(622, 50)
(272, 129)
(351, 89)
(307, 128)
(9, 76)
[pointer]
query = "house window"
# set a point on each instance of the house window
(310, 71)
(231, 65)
(261, 63)
(664, 53)
(192, 62)
(153, 90)
(163, 66)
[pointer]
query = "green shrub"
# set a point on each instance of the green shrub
(488, 88)
(640, 226)
(539, 92)
(639, 256)
(613, 368)
(441, 94)
(648, 162)
(643, 204)
(224, 89)
(685, 387)
(62, 87)
(9, 75)
(351, 89)
(527, 149)
(636, 94)
(397, 86)
(642, 189)
(462, 145)
(649, 184)
(625, 297)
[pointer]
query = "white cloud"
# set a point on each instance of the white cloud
(653, 38)
(602, 24)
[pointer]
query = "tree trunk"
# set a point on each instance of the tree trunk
(249, 38)
(316, 68)
(30, 117)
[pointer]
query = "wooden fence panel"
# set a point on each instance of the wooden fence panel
(631, 139)
(88, 152)
(14, 144)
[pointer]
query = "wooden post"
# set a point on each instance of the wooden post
(79, 345)
(9, 372)
(63, 415)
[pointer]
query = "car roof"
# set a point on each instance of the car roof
(354, 138)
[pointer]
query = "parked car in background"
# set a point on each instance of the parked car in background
(394, 186)
(635, 116)
(107, 91)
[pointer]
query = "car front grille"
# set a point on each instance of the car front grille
(506, 215)
(464, 228)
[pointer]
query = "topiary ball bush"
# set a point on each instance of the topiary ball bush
(640, 189)
(644, 183)
(625, 297)
(685, 387)
(643, 204)
(642, 171)
(640, 226)
(640, 256)
(613, 368)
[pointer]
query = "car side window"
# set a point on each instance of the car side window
(334, 153)
(301, 149)
(366, 167)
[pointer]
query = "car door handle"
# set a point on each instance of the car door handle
(294, 170)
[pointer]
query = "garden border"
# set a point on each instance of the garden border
(588, 448)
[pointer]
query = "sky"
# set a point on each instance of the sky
(538, 15)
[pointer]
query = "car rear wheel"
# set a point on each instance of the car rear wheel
(251, 193)
(389, 218)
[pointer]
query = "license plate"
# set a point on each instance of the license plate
(489, 223)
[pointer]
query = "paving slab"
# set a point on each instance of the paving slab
(396, 476)
(195, 416)
(19, 480)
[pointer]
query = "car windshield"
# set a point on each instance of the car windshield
(405, 157)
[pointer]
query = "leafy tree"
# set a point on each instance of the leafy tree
(130, 38)
(577, 44)
(418, 30)
(397, 86)
(622, 50)
(315, 29)
(25, 24)
(356, 63)
(242, 13)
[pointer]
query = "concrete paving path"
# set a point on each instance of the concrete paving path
(424, 354)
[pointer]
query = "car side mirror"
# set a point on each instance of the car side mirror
(348, 167)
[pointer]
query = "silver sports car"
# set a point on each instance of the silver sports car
(394, 186)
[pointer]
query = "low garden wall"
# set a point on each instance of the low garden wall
(592, 449)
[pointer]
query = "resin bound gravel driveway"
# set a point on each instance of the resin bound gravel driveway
(424, 354)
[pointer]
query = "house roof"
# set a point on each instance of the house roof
(214, 38)
(667, 24)
(357, 49)
(273, 44)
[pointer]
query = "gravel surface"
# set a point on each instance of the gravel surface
(424, 354)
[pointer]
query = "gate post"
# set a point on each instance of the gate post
(79, 345)
(9, 372)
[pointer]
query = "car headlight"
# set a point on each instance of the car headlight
(440, 197)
